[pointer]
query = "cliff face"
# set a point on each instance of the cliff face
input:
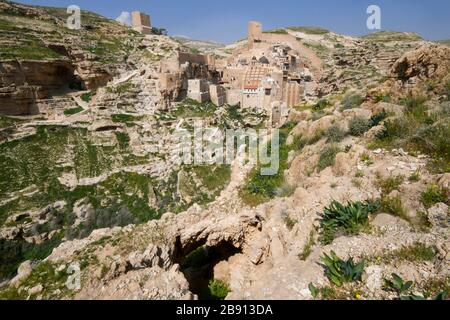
(40, 55)
(22, 83)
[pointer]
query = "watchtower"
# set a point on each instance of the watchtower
(254, 33)
(141, 22)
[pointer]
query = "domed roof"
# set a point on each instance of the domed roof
(264, 60)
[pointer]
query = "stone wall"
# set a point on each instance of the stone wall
(198, 90)
(218, 95)
(184, 57)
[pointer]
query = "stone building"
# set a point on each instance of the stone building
(141, 22)
(217, 95)
(198, 90)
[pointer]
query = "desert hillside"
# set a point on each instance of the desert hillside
(359, 209)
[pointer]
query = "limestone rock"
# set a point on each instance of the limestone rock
(23, 272)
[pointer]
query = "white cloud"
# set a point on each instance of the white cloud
(125, 18)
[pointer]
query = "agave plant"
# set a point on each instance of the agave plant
(339, 271)
(350, 218)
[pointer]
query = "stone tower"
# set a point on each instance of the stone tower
(254, 33)
(141, 22)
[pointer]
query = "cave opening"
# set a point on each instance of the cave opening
(197, 263)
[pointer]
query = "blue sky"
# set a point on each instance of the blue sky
(226, 21)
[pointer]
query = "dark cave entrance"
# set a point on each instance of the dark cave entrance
(197, 262)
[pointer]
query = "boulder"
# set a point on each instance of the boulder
(23, 272)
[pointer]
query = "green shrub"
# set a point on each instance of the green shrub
(218, 290)
(72, 111)
(196, 259)
(299, 143)
(377, 119)
(87, 97)
(351, 101)
(321, 105)
(382, 97)
(260, 188)
(123, 138)
(339, 271)
(349, 219)
(335, 134)
(413, 102)
(433, 195)
(328, 157)
(394, 206)
(390, 184)
(358, 126)
(415, 177)
(394, 129)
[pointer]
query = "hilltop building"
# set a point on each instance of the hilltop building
(273, 72)
(141, 22)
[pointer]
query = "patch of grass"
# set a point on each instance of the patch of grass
(260, 188)
(310, 30)
(359, 174)
(218, 290)
(390, 184)
(394, 206)
(418, 252)
(299, 143)
(87, 97)
(290, 222)
(419, 130)
(125, 118)
(328, 156)
(388, 36)
(415, 177)
(7, 122)
(434, 195)
(383, 97)
(72, 111)
(192, 109)
(202, 184)
(307, 249)
(123, 138)
(436, 285)
(367, 159)
(350, 219)
(121, 88)
(33, 49)
(277, 31)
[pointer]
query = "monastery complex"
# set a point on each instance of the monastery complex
(270, 71)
